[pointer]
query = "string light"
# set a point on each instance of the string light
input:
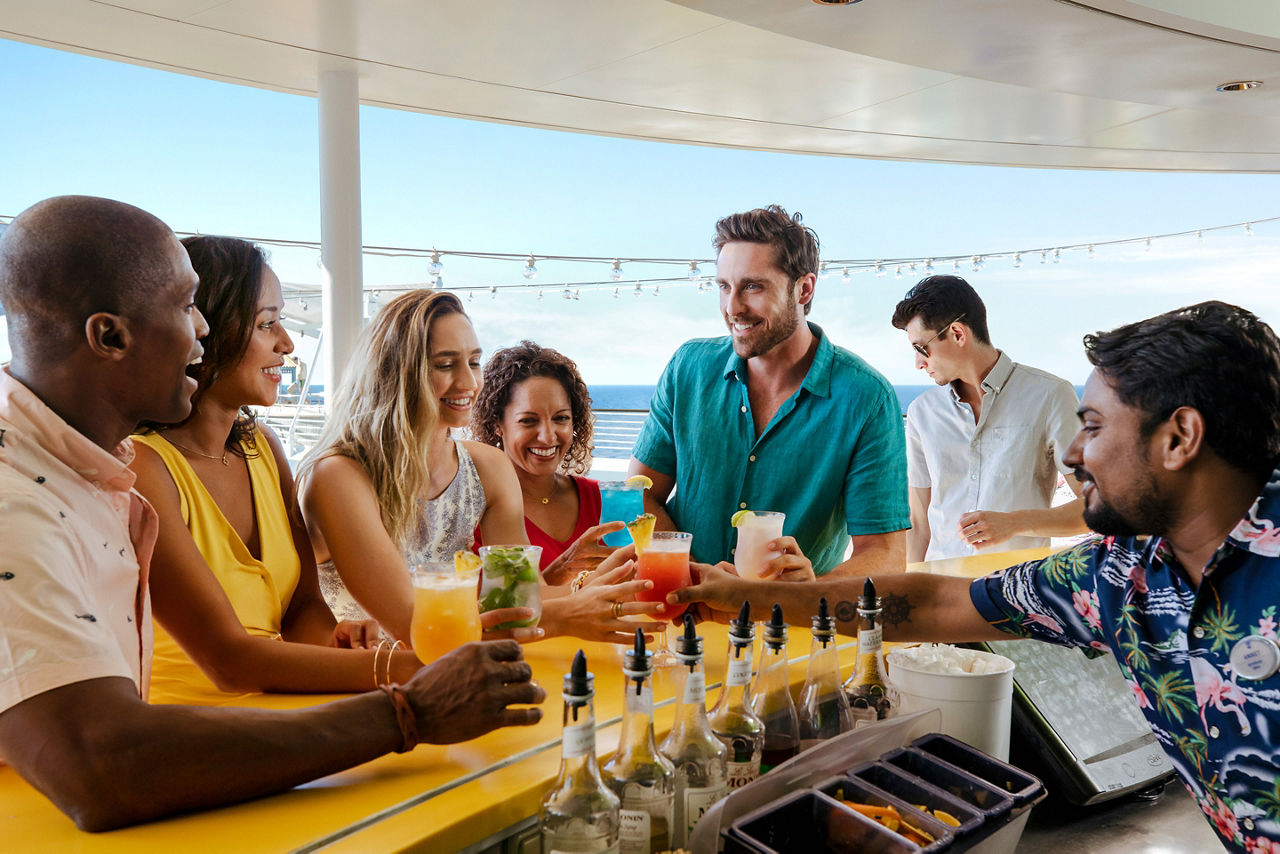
(822, 270)
(639, 290)
(879, 270)
(1017, 260)
(694, 271)
(844, 277)
(530, 269)
(615, 293)
(436, 266)
(1148, 244)
(1248, 229)
(928, 266)
(897, 274)
(493, 292)
(1044, 256)
(567, 294)
(1057, 256)
(539, 294)
(616, 272)
(1091, 252)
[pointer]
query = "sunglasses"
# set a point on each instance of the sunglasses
(923, 349)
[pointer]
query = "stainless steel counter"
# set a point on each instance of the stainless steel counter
(1169, 824)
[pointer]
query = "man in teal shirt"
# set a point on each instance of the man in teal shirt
(776, 417)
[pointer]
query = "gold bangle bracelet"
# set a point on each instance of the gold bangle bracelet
(377, 652)
(390, 654)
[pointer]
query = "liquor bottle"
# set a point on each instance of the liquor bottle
(579, 813)
(824, 709)
(872, 696)
(732, 720)
(694, 750)
(640, 776)
(771, 697)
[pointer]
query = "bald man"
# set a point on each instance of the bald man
(102, 325)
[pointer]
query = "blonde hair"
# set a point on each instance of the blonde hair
(384, 413)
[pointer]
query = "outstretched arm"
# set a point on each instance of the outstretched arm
(107, 759)
(917, 606)
(984, 529)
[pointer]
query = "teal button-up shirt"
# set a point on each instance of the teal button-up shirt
(833, 458)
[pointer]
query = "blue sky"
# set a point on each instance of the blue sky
(220, 158)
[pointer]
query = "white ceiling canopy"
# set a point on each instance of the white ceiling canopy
(1048, 83)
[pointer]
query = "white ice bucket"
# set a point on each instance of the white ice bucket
(975, 706)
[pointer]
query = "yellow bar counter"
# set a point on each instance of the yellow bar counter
(433, 799)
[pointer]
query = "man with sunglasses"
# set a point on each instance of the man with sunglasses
(985, 447)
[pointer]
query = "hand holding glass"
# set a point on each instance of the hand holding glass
(755, 530)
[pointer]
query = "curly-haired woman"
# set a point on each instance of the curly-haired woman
(534, 405)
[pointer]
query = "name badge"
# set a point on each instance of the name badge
(1255, 657)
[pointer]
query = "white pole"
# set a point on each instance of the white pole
(340, 232)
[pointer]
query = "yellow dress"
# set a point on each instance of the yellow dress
(259, 590)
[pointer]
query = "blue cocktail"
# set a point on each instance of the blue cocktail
(620, 503)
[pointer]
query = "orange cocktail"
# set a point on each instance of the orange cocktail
(665, 562)
(445, 612)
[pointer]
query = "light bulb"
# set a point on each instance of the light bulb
(639, 290)
(1248, 229)
(822, 270)
(655, 289)
(539, 294)
(577, 292)
(897, 274)
(302, 304)
(1199, 235)
(1044, 256)
(928, 266)
(435, 267)
(439, 283)
(493, 292)
(1057, 256)
(1017, 260)
(1148, 242)
(880, 269)
(955, 265)
(616, 272)
(1091, 253)
(530, 269)
(615, 293)
(567, 294)
(694, 272)
(844, 277)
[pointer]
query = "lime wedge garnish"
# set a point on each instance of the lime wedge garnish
(740, 517)
(641, 530)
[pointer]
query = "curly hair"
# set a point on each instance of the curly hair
(230, 271)
(513, 365)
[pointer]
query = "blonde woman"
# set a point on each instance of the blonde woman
(387, 485)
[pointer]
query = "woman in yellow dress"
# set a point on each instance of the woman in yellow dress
(235, 600)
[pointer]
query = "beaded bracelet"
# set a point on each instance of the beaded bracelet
(577, 583)
(405, 718)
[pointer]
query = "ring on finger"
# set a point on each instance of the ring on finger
(616, 609)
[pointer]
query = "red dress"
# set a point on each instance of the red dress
(588, 516)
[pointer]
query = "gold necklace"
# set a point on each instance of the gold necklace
(223, 458)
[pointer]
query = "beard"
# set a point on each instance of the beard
(1148, 513)
(779, 328)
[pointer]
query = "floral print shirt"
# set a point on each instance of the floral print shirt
(1129, 596)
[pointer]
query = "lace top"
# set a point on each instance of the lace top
(444, 526)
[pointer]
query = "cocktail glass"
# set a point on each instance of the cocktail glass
(509, 579)
(666, 563)
(620, 503)
(750, 556)
(445, 615)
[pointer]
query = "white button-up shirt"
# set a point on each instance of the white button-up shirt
(1008, 460)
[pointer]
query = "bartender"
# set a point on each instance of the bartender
(1179, 440)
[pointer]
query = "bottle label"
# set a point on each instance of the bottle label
(579, 740)
(634, 831)
(870, 640)
(695, 688)
(738, 673)
(740, 774)
(696, 803)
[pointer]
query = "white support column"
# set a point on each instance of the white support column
(340, 230)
